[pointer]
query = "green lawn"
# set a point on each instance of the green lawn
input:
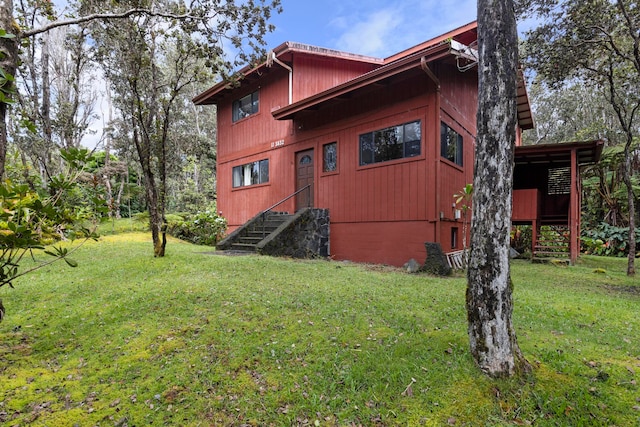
(201, 339)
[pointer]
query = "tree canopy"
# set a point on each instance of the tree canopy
(154, 55)
(594, 43)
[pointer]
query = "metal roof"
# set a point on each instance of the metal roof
(587, 152)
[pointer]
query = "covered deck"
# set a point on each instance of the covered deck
(547, 190)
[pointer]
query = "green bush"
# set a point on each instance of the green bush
(521, 236)
(607, 240)
(141, 217)
(29, 220)
(174, 218)
(202, 228)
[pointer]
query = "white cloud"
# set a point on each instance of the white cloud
(370, 36)
(398, 25)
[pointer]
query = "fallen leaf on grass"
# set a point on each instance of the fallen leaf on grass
(408, 392)
(283, 409)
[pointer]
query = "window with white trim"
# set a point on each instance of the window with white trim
(251, 174)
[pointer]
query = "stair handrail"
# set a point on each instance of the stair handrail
(264, 212)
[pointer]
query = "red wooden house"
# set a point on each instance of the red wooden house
(383, 144)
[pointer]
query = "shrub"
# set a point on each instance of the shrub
(141, 217)
(174, 218)
(521, 236)
(607, 240)
(202, 228)
(30, 221)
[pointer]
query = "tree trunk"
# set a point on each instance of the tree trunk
(156, 218)
(8, 63)
(489, 301)
(118, 200)
(3, 137)
(631, 257)
(46, 93)
(161, 157)
(107, 153)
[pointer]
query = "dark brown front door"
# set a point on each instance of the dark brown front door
(304, 177)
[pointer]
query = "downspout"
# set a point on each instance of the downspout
(273, 58)
(425, 67)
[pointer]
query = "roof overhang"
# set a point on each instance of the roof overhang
(347, 89)
(283, 52)
(445, 49)
(454, 44)
(588, 152)
(525, 118)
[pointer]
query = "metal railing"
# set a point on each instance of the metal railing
(266, 211)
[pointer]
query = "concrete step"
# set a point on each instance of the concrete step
(247, 247)
(251, 239)
(551, 253)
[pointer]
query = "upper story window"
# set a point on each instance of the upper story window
(392, 143)
(246, 106)
(450, 144)
(251, 174)
(330, 157)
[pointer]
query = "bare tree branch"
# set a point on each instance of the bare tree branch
(101, 16)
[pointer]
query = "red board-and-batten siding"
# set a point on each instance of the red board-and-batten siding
(459, 100)
(379, 213)
(251, 139)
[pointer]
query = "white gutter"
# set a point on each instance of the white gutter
(271, 58)
(465, 51)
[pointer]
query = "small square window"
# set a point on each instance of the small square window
(330, 157)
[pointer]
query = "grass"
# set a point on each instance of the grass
(199, 339)
(123, 225)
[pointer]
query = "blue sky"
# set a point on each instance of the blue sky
(377, 28)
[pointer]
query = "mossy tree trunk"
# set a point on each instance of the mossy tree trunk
(489, 292)
(8, 65)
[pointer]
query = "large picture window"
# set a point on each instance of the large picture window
(450, 144)
(392, 143)
(246, 106)
(251, 174)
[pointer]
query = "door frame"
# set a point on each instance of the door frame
(305, 198)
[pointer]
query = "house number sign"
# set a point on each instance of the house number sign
(278, 143)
